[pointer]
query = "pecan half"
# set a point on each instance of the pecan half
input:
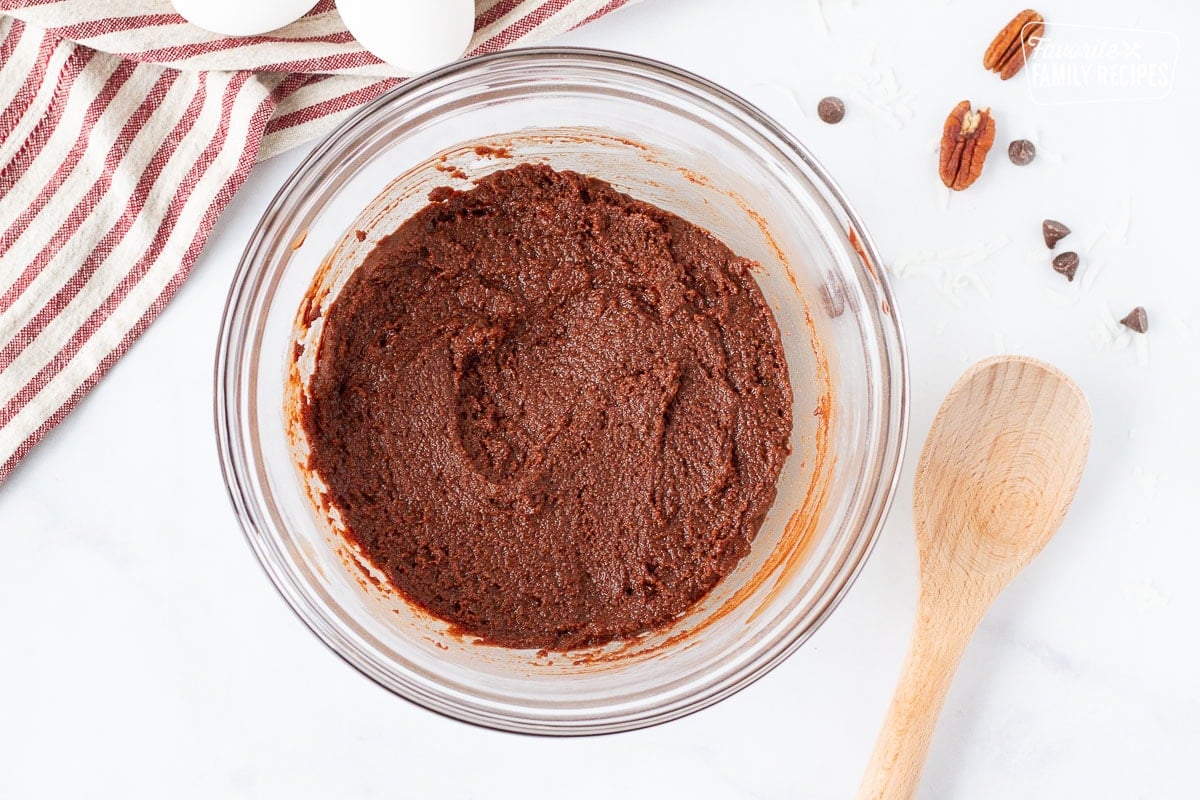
(966, 139)
(1008, 51)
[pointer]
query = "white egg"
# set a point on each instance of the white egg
(414, 35)
(242, 17)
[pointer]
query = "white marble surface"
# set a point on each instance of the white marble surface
(145, 655)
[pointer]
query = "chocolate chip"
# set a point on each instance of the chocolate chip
(1052, 231)
(831, 110)
(1021, 152)
(1136, 320)
(1066, 264)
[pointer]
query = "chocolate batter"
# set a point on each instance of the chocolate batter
(549, 413)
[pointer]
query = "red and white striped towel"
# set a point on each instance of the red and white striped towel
(124, 132)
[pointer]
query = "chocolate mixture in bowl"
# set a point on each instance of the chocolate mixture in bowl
(549, 413)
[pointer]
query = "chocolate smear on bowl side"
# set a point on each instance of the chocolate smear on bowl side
(967, 137)
(1136, 320)
(1053, 231)
(1021, 152)
(833, 298)
(1066, 264)
(1008, 51)
(831, 110)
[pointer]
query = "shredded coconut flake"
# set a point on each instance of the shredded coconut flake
(1063, 298)
(879, 90)
(951, 271)
(1142, 593)
(1053, 156)
(1121, 228)
(879, 110)
(1091, 271)
(818, 11)
(972, 280)
(868, 54)
(1142, 347)
(1146, 480)
(793, 97)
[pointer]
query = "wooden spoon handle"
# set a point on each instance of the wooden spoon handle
(937, 646)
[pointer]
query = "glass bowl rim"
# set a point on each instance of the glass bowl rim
(242, 477)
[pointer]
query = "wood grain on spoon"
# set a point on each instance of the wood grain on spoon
(993, 484)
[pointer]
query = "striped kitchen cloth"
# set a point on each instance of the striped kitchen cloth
(124, 132)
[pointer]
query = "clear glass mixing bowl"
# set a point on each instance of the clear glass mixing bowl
(664, 136)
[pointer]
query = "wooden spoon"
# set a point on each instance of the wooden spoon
(993, 484)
